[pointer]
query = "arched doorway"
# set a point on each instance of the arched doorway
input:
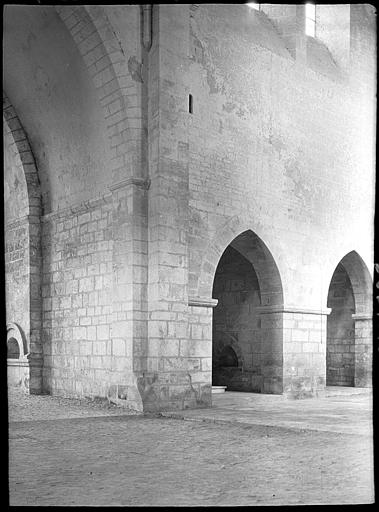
(349, 343)
(247, 347)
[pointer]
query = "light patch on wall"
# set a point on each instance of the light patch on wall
(310, 20)
(254, 5)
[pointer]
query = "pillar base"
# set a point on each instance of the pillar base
(363, 350)
(304, 353)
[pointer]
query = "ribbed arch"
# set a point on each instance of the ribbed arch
(105, 60)
(24, 156)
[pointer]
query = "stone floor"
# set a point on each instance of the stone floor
(246, 450)
(343, 410)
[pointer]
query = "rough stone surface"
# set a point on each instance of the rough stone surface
(132, 200)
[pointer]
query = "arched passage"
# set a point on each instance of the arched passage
(22, 212)
(247, 347)
(349, 325)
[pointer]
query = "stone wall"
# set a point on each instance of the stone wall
(77, 301)
(249, 158)
(141, 197)
(17, 292)
(285, 176)
(16, 237)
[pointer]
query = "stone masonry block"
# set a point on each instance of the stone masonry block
(158, 347)
(299, 335)
(118, 347)
(102, 332)
(86, 284)
(178, 329)
(195, 348)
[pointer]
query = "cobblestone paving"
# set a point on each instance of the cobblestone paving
(24, 407)
(132, 460)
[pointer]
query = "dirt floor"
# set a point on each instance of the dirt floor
(97, 454)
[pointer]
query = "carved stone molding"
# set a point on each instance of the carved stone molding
(202, 303)
(78, 208)
(138, 182)
(292, 309)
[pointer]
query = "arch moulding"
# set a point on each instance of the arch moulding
(25, 156)
(202, 292)
(32, 338)
(361, 281)
(104, 59)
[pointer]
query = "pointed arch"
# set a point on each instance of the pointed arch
(250, 244)
(31, 224)
(24, 155)
(361, 281)
(349, 326)
(248, 316)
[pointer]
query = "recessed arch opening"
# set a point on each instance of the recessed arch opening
(349, 324)
(247, 350)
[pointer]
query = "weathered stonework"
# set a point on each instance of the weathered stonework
(160, 139)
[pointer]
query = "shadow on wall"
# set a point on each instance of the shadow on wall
(340, 341)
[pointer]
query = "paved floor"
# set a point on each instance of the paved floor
(23, 407)
(343, 410)
(235, 456)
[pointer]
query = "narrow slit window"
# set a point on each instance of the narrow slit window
(310, 20)
(190, 104)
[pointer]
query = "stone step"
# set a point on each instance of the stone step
(218, 389)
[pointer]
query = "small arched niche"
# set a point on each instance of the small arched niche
(228, 358)
(13, 349)
(17, 358)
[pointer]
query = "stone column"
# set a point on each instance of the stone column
(129, 300)
(271, 318)
(198, 350)
(304, 352)
(363, 350)
(166, 383)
